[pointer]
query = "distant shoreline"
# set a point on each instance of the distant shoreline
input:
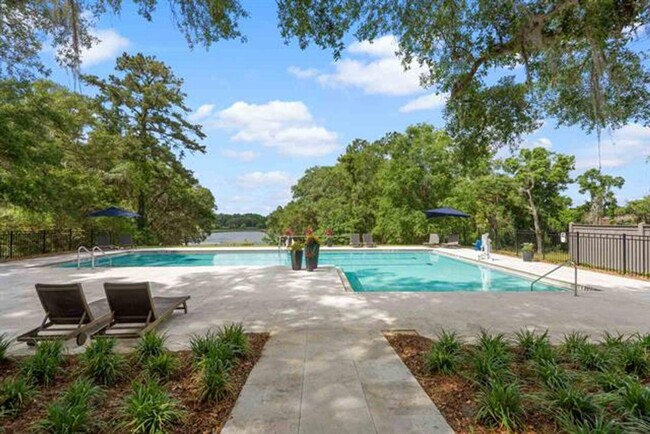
(239, 230)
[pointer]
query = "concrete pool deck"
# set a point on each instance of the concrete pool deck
(327, 367)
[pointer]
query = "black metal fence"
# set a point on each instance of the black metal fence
(620, 253)
(20, 244)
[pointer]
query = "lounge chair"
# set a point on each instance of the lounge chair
(367, 241)
(135, 311)
(103, 240)
(434, 240)
(452, 241)
(126, 240)
(355, 240)
(67, 315)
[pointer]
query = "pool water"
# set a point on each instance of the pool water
(366, 271)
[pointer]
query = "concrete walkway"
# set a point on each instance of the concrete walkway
(327, 367)
(328, 380)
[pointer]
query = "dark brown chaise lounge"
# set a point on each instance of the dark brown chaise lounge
(367, 241)
(355, 240)
(135, 311)
(67, 314)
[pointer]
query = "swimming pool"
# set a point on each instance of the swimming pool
(366, 271)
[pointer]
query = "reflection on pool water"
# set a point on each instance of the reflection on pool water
(366, 271)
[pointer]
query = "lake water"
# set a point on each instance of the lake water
(235, 237)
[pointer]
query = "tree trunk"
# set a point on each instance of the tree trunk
(539, 235)
(142, 221)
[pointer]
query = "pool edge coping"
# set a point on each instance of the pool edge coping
(565, 286)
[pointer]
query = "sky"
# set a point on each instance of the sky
(271, 110)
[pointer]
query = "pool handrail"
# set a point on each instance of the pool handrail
(563, 264)
(84, 249)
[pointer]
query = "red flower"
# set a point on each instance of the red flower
(329, 232)
(309, 232)
(288, 232)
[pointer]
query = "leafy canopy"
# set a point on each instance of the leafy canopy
(26, 25)
(580, 66)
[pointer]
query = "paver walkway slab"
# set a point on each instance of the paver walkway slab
(347, 382)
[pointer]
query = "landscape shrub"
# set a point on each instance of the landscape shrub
(162, 366)
(14, 394)
(45, 364)
(201, 345)
(443, 357)
(150, 344)
(574, 401)
(150, 409)
(533, 345)
(634, 399)
(215, 377)
(501, 405)
(634, 358)
(72, 413)
(234, 335)
(5, 343)
(101, 363)
(574, 342)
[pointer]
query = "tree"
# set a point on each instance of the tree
(493, 201)
(640, 209)
(541, 176)
(418, 174)
(144, 109)
(580, 67)
(602, 200)
(24, 25)
(42, 150)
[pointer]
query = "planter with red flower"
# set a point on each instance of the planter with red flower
(288, 235)
(312, 248)
(297, 249)
(329, 233)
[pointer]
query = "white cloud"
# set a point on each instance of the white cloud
(202, 113)
(626, 145)
(427, 102)
(287, 126)
(303, 72)
(386, 46)
(110, 45)
(375, 69)
(245, 156)
(269, 180)
(541, 142)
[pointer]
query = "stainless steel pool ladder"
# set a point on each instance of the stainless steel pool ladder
(575, 275)
(91, 253)
(85, 249)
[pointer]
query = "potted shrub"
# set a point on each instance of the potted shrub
(329, 233)
(527, 252)
(312, 248)
(296, 255)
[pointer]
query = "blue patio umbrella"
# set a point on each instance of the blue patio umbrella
(445, 212)
(113, 211)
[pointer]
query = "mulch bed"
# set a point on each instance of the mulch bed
(454, 395)
(209, 417)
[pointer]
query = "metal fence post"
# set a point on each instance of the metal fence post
(516, 242)
(70, 240)
(43, 241)
(578, 248)
(11, 244)
(624, 254)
